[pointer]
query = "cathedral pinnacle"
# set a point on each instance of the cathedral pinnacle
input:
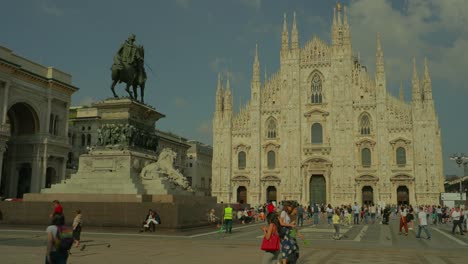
(294, 34)
(416, 93)
(345, 16)
(427, 82)
(334, 16)
(338, 6)
(219, 83)
(426, 71)
(285, 36)
(256, 66)
(379, 56)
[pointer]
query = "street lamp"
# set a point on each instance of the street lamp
(459, 158)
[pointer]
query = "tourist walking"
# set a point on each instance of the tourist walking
(336, 224)
(456, 220)
(316, 212)
(403, 223)
(300, 215)
(58, 209)
(356, 211)
(289, 249)
(77, 222)
(53, 254)
(329, 214)
(227, 218)
(422, 218)
(271, 232)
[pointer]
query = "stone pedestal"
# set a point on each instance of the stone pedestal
(107, 171)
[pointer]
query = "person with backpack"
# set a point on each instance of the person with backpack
(59, 240)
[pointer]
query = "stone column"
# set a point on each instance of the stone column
(2, 151)
(64, 170)
(36, 172)
(47, 123)
(5, 103)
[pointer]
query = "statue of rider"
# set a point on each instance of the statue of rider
(126, 55)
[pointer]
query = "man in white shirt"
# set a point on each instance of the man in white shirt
(356, 210)
(456, 220)
(422, 217)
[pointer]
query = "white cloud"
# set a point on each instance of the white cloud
(86, 101)
(183, 3)
(222, 65)
(411, 33)
(51, 9)
(205, 130)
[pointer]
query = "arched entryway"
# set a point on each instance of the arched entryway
(242, 194)
(367, 195)
(17, 164)
(51, 177)
(318, 189)
(24, 180)
(271, 193)
(402, 195)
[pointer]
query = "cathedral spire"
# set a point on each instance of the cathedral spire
(345, 17)
(228, 97)
(379, 57)
(427, 82)
(294, 35)
(266, 76)
(285, 36)
(416, 93)
(219, 95)
(402, 96)
(334, 17)
(256, 66)
(338, 6)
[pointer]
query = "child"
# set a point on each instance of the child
(336, 224)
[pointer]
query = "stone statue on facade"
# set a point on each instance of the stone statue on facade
(129, 68)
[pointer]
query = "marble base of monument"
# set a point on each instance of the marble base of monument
(176, 212)
(107, 171)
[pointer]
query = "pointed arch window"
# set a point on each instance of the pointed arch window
(241, 160)
(366, 158)
(365, 124)
(271, 160)
(316, 87)
(271, 128)
(83, 140)
(401, 156)
(317, 133)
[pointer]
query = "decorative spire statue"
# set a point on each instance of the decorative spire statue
(129, 68)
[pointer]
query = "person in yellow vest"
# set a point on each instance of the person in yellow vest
(228, 218)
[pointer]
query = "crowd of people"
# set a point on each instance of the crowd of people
(284, 218)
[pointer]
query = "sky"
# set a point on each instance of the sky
(187, 43)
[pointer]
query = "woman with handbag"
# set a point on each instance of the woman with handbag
(289, 248)
(271, 240)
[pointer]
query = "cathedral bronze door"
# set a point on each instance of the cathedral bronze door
(367, 195)
(402, 195)
(271, 193)
(318, 189)
(242, 195)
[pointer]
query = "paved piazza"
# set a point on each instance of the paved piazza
(360, 244)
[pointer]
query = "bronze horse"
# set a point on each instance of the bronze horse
(133, 75)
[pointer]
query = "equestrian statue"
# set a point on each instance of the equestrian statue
(129, 68)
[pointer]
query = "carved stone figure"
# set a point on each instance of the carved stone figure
(164, 167)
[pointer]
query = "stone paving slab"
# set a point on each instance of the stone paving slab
(378, 244)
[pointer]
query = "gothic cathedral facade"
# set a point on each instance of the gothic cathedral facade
(322, 130)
